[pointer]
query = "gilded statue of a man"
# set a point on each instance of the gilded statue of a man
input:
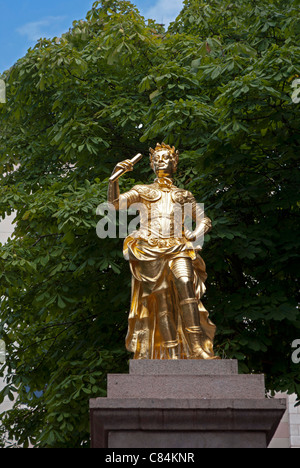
(167, 319)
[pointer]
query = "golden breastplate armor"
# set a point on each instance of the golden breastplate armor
(162, 217)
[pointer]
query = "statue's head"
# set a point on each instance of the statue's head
(164, 160)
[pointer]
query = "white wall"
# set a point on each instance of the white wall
(288, 432)
(6, 230)
(294, 421)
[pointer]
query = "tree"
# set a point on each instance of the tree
(218, 85)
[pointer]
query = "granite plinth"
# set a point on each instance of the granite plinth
(184, 404)
(186, 386)
(183, 367)
(191, 439)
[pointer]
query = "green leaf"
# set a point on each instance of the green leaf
(61, 304)
(154, 94)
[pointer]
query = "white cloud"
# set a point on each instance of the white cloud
(164, 11)
(46, 27)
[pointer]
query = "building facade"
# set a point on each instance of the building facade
(288, 432)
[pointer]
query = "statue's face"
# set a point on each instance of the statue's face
(163, 164)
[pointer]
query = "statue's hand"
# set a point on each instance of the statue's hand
(125, 166)
(190, 236)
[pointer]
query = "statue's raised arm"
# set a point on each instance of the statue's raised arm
(121, 168)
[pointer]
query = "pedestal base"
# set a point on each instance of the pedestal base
(184, 404)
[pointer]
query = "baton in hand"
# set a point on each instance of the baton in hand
(118, 174)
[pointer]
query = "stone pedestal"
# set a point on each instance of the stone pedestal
(184, 404)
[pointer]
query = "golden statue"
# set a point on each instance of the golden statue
(167, 319)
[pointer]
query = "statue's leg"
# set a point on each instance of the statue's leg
(143, 334)
(167, 325)
(182, 269)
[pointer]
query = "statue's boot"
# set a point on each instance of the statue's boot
(172, 349)
(190, 314)
(194, 336)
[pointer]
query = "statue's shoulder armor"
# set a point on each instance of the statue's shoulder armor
(148, 192)
(182, 196)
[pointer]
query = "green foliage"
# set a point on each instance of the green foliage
(218, 85)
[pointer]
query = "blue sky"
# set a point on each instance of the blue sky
(23, 22)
